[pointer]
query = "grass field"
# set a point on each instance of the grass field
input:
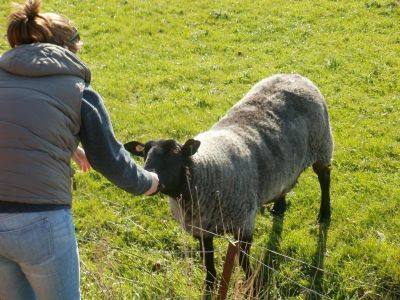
(172, 68)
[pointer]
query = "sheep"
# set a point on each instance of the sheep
(251, 156)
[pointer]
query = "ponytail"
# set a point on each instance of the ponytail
(26, 25)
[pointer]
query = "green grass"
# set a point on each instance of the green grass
(172, 68)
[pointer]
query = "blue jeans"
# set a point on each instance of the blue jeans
(38, 256)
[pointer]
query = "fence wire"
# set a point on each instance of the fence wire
(186, 253)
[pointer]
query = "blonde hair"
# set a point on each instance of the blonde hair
(26, 25)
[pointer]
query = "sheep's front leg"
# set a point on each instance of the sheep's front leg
(207, 251)
(324, 177)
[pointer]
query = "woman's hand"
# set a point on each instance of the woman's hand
(154, 186)
(80, 159)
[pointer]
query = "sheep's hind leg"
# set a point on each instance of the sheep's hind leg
(279, 207)
(324, 177)
(207, 251)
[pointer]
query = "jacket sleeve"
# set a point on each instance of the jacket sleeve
(105, 154)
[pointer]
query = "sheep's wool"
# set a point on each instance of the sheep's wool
(254, 155)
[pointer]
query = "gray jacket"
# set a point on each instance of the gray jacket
(41, 87)
(45, 109)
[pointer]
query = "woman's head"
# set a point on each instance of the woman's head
(26, 25)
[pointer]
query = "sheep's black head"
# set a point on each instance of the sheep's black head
(168, 159)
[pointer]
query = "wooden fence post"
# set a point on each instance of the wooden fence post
(233, 250)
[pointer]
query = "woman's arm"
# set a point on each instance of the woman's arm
(105, 154)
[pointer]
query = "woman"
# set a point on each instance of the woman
(46, 109)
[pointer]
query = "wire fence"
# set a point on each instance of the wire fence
(276, 272)
(190, 253)
(329, 272)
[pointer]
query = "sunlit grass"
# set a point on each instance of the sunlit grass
(172, 68)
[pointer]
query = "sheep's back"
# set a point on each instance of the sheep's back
(283, 121)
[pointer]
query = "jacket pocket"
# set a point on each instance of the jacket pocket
(31, 244)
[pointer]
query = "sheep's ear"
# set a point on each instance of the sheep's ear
(191, 146)
(136, 148)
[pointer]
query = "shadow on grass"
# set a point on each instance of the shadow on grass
(265, 274)
(317, 274)
(265, 285)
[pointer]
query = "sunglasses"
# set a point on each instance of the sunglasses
(74, 37)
